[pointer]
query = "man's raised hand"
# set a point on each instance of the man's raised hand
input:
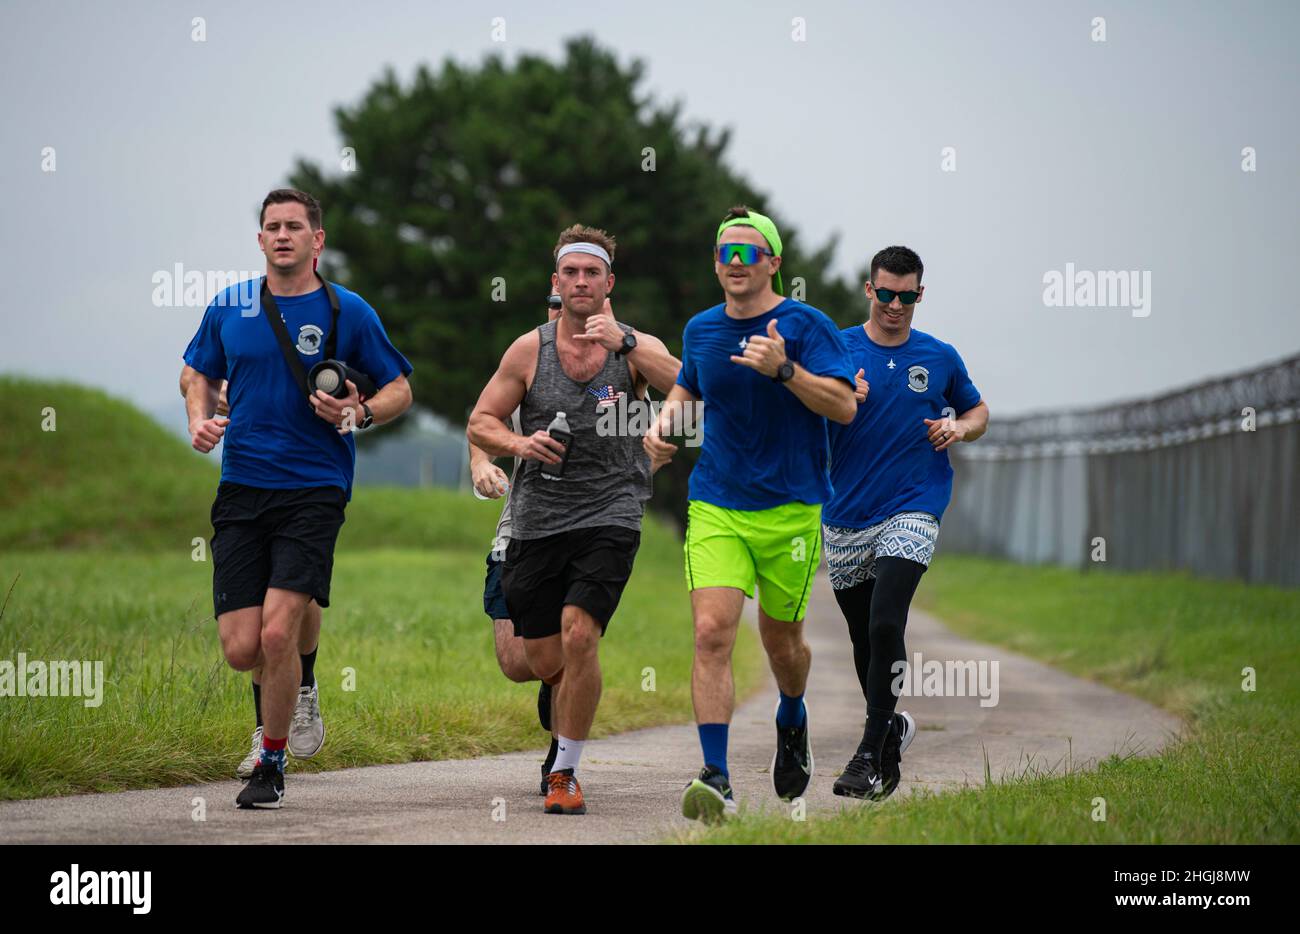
(862, 387)
(603, 329)
(765, 354)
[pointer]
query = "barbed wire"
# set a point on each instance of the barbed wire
(1271, 394)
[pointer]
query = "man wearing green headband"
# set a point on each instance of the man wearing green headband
(770, 372)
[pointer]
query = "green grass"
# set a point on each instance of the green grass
(96, 527)
(1176, 641)
(409, 623)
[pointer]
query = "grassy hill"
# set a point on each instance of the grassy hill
(111, 478)
(105, 476)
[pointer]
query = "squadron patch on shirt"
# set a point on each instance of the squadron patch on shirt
(309, 339)
(918, 378)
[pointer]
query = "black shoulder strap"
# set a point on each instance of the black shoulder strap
(282, 333)
(331, 342)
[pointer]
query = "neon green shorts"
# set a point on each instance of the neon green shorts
(779, 548)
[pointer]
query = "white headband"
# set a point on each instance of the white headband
(589, 248)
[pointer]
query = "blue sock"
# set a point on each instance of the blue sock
(273, 752)
(713, 740)
(790, 712)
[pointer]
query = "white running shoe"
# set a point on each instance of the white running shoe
(307, 731)
(245, 769)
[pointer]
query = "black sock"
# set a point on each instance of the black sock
(550, 756)
(873, 738)
(896, 580)
(257, 701)
(544, 699)
(309, 668)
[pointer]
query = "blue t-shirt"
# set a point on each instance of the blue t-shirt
(275, 440)
(762, 446)
(882, 463)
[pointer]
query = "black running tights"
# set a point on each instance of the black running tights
(876, 611)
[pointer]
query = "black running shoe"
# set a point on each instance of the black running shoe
(861, 778)
(544, 706)
(708, 798)
(792, 764)
(902, 729)
(548, 765)
(264, 790)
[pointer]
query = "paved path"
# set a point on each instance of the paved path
(1043, 719)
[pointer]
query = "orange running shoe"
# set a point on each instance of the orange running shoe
(564, 795)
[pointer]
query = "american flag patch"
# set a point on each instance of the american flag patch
(605, 395)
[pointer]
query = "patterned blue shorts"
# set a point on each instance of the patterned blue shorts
(851, 553)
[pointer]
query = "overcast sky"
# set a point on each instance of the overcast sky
(1123, 154)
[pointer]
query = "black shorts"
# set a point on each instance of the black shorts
(273, 538)
(494, 601)
(587, 568)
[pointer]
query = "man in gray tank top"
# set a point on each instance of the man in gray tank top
(575, 509)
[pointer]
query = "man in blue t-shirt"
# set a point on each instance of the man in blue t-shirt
(287, 461)
(307, 729)
(770, 372)
(892, 481)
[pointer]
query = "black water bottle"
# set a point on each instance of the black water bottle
(559, 430)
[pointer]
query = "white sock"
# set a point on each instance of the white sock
(569, 753)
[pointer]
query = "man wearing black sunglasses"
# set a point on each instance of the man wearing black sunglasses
(892, 481)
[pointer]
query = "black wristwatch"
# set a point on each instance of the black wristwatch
(368, 420)
(785, 372)
(629, 344)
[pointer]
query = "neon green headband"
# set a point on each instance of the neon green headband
(764, 225)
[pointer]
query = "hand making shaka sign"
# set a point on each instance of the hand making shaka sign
(765, 354)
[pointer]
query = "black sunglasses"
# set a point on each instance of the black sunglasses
(888, 295)
(554, 301)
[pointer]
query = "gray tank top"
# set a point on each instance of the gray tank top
(607, 479)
